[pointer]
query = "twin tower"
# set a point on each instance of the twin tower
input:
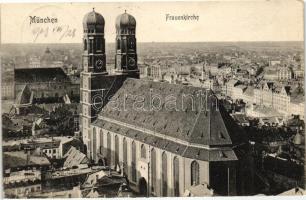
(94, 43)
(97, 85)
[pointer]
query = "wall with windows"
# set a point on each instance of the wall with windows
(22, 191)
(170, 174)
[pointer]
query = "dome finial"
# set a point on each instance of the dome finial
(124, 11)
(93, 9)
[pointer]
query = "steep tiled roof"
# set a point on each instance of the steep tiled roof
(185, 113)
(74, 158)
(29, 75)
(181, 112)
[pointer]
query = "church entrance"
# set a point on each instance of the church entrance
(143, 188)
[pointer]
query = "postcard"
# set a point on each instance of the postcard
(153, 99)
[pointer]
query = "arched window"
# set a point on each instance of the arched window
(133, 161)
(90, 46)
(116, 150)
(195, 173)
(176, 175)
(94, 144)
(153, 171)
(164, 174)
(143, 151)
(101, 143)
(109, 150)
(118, 44)
(85, 45)
(98, 44)
(89, 144)
(125, 166)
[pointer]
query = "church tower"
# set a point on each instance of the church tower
(94, 71)
(126, 54)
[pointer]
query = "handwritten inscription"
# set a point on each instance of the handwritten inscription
(58, 31)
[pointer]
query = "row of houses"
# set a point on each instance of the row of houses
(288, 100)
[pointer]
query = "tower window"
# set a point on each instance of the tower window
(98, 44)
(90, 61)
(90, 46)
(85, 45)
(118, 44)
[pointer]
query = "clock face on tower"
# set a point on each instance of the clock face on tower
(132, 62)
(99, 64)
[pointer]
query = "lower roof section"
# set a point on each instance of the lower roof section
(182, 149)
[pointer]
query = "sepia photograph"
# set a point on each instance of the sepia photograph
(152, 99)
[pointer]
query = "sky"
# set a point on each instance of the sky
(258, 20)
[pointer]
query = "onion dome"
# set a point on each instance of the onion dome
(47, 56)
(93, 20)
(125, 20)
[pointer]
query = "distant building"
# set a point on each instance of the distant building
(49, 60)
(34, 62)
(274, 62)
(22, 183)
(229, 87)
(213, 68)
(280, 73)
(21, 160)
(238, 92)
(284, 73)
(55, 147)
(46, 83)
(283, 98)
(271, 74)
(7, 90)
(298, 72)
(210, 84)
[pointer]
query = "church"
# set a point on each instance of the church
(166, 138)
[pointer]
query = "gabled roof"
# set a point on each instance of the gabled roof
(74, 158)
(249, 91)
(25, 96)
